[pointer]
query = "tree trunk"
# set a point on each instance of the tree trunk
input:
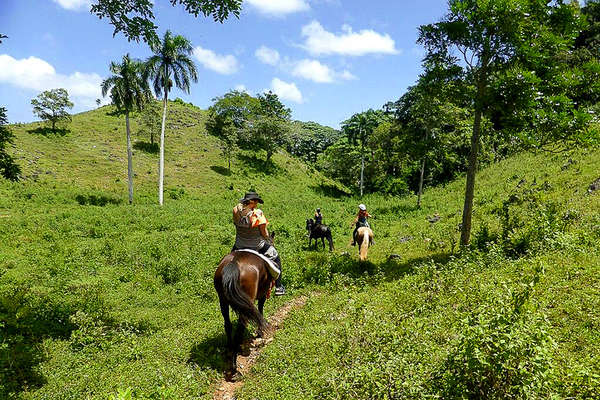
(422, 175)
(362, 167)
(129, 160)
(465, 234)
(161, 162)
(421, 183)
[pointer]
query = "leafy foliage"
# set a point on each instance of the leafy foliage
(9, 169)
(309, 139)
(503, 352)
(128, 89)
(134, 18)
(51, 106)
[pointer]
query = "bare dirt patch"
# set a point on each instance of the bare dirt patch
(226, 390)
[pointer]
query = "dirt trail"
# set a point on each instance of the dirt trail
(226, 390)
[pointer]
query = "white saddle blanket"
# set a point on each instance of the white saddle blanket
(273, 270)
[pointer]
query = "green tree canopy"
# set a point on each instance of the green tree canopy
(51, 106)
(229, 118)
(271, 127)
(135, 18)
(8, 168)
(358, 128)
(309, 139)
(128, 89)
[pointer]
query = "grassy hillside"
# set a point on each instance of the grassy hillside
(97, 295)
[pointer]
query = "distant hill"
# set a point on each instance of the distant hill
(91, 152)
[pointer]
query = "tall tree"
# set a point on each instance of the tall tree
(129, 91)
(490, 35)
(426, 114)
(51, 106)
(271, 127)
(8, 168)
(171, 61)
(135, 17)
(358, 128)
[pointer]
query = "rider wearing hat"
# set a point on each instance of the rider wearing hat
(318, 217)
(251, 232)
(360, 221)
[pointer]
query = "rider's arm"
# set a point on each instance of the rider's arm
(236, 214)
(263, 231)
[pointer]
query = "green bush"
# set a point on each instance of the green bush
(503, 352)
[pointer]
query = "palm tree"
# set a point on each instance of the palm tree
(128, 91)
(358, 128)
(171, 59)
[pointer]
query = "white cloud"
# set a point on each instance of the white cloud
(74, 4)
(225, 65)
(36, 74)
(267, 55)
(315, 71)
(286, 91)
(321, 42)
(279, 7)
(308, 69)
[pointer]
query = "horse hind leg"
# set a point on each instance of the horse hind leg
(330, 240)
(231, 350)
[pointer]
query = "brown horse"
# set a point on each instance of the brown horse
(364, 238)
(240, 279)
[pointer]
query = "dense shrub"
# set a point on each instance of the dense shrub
(503, 352)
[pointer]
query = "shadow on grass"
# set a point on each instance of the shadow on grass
(46, 131)
(24, 329)
(146, 147)
(220, 170)
(96, 200)
(330, 190)
(211, 352)
(321, 268)
(259, 165)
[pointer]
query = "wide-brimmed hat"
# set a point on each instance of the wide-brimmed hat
(252, 196)
(362, 207)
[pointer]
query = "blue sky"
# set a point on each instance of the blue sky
(326, 59)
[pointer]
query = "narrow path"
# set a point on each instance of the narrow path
(226, 390)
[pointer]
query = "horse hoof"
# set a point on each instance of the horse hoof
(233, 376)
(245, 351)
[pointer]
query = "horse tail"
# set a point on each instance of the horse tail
(241, 303)
(364, 245)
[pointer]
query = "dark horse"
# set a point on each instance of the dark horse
(318, 231)
(240, 279)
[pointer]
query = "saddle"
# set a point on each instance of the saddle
(274, 271)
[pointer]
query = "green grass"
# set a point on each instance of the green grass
(98, 296)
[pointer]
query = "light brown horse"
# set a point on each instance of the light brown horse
(240, 279)
(364, 238)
